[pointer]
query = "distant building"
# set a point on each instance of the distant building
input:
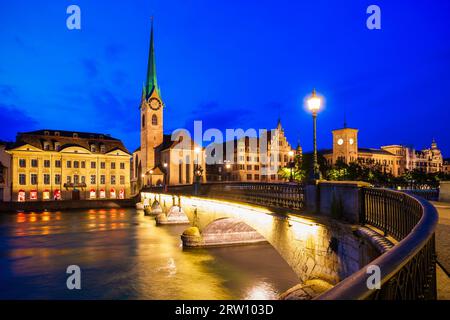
(394, 159)
(56, 164)
(446, 166)
(253, 159)
(5, 172)
(160, 159)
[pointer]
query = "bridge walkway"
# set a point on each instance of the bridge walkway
(443, 249)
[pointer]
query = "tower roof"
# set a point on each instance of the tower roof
(151, 83)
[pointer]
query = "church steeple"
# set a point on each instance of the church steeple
(151, 83)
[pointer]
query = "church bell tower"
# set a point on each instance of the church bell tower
(151, 113)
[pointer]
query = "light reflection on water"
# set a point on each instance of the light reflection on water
(123, 255)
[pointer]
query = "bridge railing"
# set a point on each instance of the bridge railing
(283, 195)
(428, 194)
(408, 270)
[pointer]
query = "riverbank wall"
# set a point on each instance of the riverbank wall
(6, 207)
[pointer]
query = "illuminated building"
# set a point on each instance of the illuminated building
(5, 173)
(161, 159)
(394, 159)
(446, 166)
(53, 165)
(253, 159)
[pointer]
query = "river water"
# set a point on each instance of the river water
(124, 255)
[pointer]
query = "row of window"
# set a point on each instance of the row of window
(69, 163)
(76, 179)
(281, 158)
(22, 195)
(256, 177)
(57, 147)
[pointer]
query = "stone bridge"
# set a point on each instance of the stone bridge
(315, 247)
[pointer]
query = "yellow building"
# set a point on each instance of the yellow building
(55, 165)
(162, 158)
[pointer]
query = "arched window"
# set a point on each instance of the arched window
(143, 121)
(154, 120)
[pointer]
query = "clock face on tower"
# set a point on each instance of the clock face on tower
(155, 104)
(351, 141)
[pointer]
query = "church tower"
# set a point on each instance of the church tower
(151, 113)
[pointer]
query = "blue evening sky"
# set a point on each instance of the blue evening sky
(232, 64)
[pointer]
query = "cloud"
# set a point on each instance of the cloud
(24, 46)
(113, 51)
(7, 91)
(91, 67)
(13, 120)
(215, 116)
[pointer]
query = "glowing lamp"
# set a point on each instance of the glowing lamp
(314, 102)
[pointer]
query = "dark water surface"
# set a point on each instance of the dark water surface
(123, 255)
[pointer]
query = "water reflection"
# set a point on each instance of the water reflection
(123, 255)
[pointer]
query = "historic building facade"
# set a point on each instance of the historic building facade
(253, 159)
(56, 165)
(446, 166)
(5, 173)
(162, 159)
(394, 159)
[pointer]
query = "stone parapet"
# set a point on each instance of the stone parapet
(444, 191)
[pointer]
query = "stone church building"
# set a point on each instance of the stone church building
(162, 159)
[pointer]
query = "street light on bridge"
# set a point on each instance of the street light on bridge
(314, 104)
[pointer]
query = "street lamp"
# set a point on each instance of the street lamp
(197, 152)
(314, 103)
(291, 163)
(197, 171)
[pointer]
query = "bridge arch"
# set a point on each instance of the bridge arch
(229, 231)
(304, 243)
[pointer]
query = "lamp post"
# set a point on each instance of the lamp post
(197, 172)
(314, 104)
(291, 164)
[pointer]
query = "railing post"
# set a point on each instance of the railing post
(385, 215)
(362, 208)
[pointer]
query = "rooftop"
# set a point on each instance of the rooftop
(104, 142)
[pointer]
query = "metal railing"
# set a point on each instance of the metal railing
(428, 194)
(408, 270)
(281, 195)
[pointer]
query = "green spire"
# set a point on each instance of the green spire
(151, 83)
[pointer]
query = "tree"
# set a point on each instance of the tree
(298, 174)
